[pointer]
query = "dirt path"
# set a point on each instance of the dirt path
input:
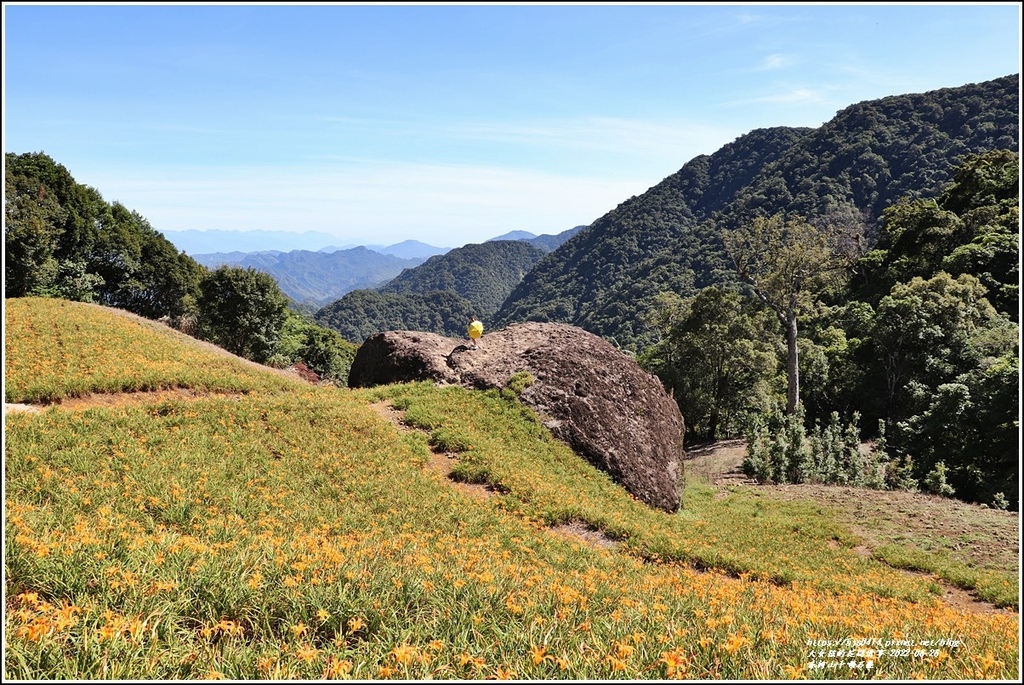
(116, 399)
(977, 536)
(441, 463)
(27, 408)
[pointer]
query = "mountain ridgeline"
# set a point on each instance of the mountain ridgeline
(317, 277)
(849, 170)
(440, 295)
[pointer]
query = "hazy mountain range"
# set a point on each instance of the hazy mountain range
(321, 276)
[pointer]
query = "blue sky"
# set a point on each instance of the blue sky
(448, 124)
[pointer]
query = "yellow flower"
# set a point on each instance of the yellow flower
(989, 661)
(475, 661)
(306, 653)
(265, 664)
(298, 629)
(616, 664)
(512, 606)
(735, 642)
(538, 654)
(35, 631)
(230, 627)
(135, 628)
(404, 654)
(338, 667)
(794, 672)
(675, 662)
(322, 615)
(355, 623)
(622, 650)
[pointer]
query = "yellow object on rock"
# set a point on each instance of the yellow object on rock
(476, 329)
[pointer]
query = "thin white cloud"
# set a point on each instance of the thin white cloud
(775, 62)
(376, 202)
(747, 18)
(794, 96)
(606, 134)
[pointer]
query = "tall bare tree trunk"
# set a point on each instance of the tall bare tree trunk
(792, 363)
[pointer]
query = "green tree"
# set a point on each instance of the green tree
(168, 279)
(951, 369)
(327, 353)
(321, 349)
(926, 332)
(785, 263)
(62, 240)
(241, 310)
(972, 227)
(713, 357)
(31, 233)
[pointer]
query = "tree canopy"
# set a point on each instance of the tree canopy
(62, 239)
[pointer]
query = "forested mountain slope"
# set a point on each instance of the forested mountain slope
(439, 295)
(870, 155)
(482, 273)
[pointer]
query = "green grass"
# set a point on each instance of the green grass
(503, 445)
(999, 589)
(292, 533)
(57, 349)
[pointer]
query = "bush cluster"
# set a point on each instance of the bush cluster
(780, 449)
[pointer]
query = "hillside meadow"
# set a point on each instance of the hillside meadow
(226, 521)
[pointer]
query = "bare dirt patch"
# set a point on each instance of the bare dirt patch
(581, 531)
(24, 408)
(979, 537)
(392, 415)
(719, 463)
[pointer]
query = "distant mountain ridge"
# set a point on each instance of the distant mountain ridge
(201, 242)
(317, 277)
(546, 242)
(437, 296)
(407, 249)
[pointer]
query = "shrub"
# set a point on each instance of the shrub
(936, 483)
(780, 450)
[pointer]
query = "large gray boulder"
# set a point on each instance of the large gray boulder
(590, 395)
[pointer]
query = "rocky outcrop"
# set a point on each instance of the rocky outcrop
(591, 396)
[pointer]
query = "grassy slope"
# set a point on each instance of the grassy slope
(290, 531)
